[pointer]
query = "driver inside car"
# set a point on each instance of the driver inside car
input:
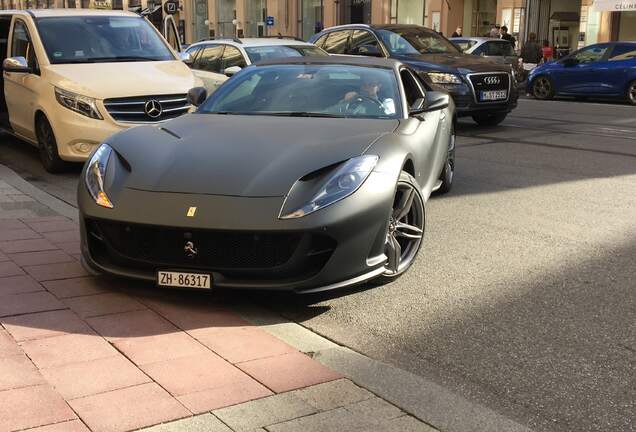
(366, 101)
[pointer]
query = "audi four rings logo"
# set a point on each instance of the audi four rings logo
(153, 108)
(491, 80)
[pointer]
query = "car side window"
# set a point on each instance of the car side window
(209, 59)
(590, 54)
(411, 87)
(480, 50)
(500, 49)
(623, 52)
(194, 52)
(321, 40)
(21, 45)
(362, 38)
(232, 57)
(337, 42)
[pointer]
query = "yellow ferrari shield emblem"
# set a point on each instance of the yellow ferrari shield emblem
(191, 211)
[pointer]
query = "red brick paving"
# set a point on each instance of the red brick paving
(26, 246)
(67, 349)
(69, 426)
(76, 287)
(41, 257)
(103, 304)
(9, 268)
(45, 324)
(241, 344)
(29, 407)
(18, 371)
(288, 372)
(157, 357)
(128, 409)
(18, 304)
(18, 285)
(131, 325)
(95, 376)
(63, 270)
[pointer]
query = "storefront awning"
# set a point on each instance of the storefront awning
(615, 5)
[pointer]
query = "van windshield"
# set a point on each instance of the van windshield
(93, 39)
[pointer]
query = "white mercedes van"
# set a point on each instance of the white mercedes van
(73, 77)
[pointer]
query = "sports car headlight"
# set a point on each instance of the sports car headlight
(95, 173)
(80, 104)
(444, 78)
(341, 183)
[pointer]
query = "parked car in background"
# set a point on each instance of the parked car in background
(497, 50)
(324, 184)
(73, 77)
(484, 90)
(215, 60)
(605, 70)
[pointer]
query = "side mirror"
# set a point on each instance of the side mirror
(197, 95)
(186, 58)
(434, 101)
(16, 64)
(368, 50)
(232, 70)
(418, 106)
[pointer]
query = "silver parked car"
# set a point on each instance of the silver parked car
(499, 50)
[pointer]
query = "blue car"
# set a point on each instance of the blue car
(604, 70)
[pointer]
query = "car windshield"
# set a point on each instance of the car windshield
(464, 44)
(309, 90)
(92, 39)
(258, 53)
(415, 41)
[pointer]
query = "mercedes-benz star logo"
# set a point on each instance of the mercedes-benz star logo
(492, 80)
(153, 108)
(190, 250)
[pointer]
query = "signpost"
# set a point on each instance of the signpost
(171, 7)
(269, 21)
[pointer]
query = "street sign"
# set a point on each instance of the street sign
(171, 7)
(269, 21)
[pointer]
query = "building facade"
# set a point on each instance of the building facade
(566, 24)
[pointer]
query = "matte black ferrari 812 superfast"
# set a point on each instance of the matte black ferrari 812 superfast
(300, 174)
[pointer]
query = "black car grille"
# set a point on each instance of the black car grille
(152, 247)
(147, 109)
(490, 81)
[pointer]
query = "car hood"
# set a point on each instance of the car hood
(250, 156)
(453, 63)
(122, 79)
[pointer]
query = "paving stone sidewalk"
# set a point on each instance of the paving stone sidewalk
(79, 353)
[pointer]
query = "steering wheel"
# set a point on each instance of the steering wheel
(361, 99)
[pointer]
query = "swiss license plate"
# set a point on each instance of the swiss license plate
(493, 95)
(184, 280)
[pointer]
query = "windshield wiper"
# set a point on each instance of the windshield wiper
(302, 114)
(122, 59)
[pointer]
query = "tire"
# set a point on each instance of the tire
(543, 88)
(49, 155)
(448, 173)
(489, 119)
(407, 223)
(631, 93)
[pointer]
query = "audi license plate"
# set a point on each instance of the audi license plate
(493, 95)
(184, 280)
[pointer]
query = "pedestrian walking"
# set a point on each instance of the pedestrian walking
(531, 51)
(547, 51)
(503, 32)
(457, 32)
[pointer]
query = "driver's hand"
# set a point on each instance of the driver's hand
(348, 97)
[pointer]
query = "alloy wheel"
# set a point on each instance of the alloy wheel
(632, 93)
(46, 139)
(542, 88)
(406, 229)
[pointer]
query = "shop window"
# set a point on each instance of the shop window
(337, 42)
(407, 12)
(309, 17)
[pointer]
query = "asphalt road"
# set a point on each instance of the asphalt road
(524, 296)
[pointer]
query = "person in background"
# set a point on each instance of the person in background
(507, 36)
(548, 53)
(494, 31)
(457, 32)
(531, 51)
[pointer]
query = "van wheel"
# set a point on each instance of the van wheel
(49, 155)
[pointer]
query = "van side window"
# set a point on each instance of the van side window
(21, 45)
